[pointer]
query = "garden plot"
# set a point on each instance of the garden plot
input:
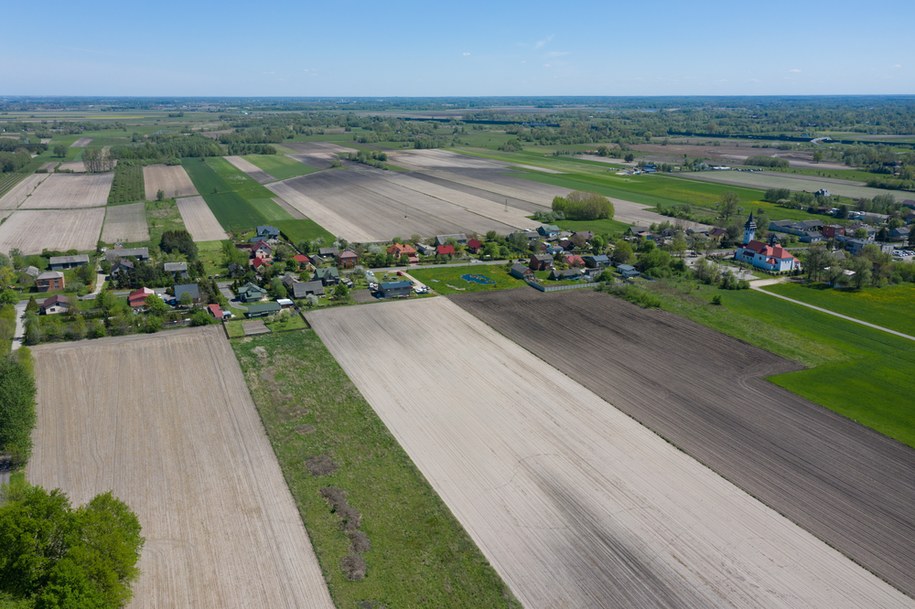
(170, 179)
(32, 231)
(178, 438)
(254, 172)
(125, 224)
(574, 503)
(199, 219)
(66, 191)
(21, 191)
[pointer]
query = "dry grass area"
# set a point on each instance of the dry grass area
(81, 142)
(199, 219)
(66, 191)
(125, 224)
(361, 204)
(21, 191)
(573, 502)
(72, 166)
(254, 172)
(170, 179)
(34, 230)
(177, 437)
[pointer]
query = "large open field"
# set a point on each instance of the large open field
(254, 172)
(574, 503)
(170, 179)
(31, 231)
(279, 166)
(22, 190)
(727, 152)
(178, 439)
(199, 219)
(792, 181)
(63, 191)
(846, 484)
(125, 224)
(362, 204)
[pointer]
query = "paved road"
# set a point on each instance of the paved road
(759, 285)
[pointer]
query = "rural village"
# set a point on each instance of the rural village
(415, 356)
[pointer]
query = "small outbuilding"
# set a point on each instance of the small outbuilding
(59, 263)
(262, 309)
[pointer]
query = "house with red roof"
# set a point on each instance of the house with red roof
(137, 298)
(215, 311)
(773, 258)
(301, 259)
(402, 249)
(474, 245)
(258, 262)
(444, 250)
(574, 260)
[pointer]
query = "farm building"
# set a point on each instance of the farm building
(301, 289)
(627, 270)
(548, 231)
(137, 298)
(262, 309)
(328, 252)
(32, 271)
(348, 258)
(54, 304)
(327, 275)
(251, 293)
(444, 250)
(459, 238)
(121, 267)
(59, 263)
(268, 232)
(394, 289)
(425, 250)
(574, 260)
(519, 271)
(177, 269)
(597, 261)
(216, 311)
(140, 253)
(557, 275)
(807, 230)
(541, 262)
(50, 281)
(191, 289)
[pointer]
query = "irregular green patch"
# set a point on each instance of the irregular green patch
(280, 166)
(297, 231)
(449, 279)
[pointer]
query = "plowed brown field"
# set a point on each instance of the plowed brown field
(34, 230)
(199, 219)
(170, 179)
(70, 191)
(125, 223)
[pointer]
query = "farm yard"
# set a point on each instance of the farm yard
(32, 231)
(199, 219)
(844, 483)
(573, 502)
(62, 191)
(125, 224)
(179, 440)
(170, 179)
(254, 172)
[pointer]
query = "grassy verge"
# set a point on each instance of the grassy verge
(858, 372)
(449, 280)
(297, 231)
(237, 201)
(892, 306)
(235, 328)
(419, 555)
(279, 166)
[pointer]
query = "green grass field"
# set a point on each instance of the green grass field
(448, 280)
(613, 228)
(861, 373)
(210, 254)
(297, 231)
(237, 201)
(419, 555)
(280, 166)
(892, 306)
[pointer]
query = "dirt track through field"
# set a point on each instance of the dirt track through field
(199, 220)
(70, 191)
(574, 503)
(254, 172)
(22, 190)
(706, 393)
(170, 179)
(166, 422)
(81, 142)
(125, 224)
(34, 230)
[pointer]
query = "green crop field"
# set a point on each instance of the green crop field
(861, 373)
(237, 201)
(892, 306)
(418, 555)
(280, 166)
(297, 231)
(448, 280)
(127, 186)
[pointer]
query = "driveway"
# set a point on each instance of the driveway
(19, 336)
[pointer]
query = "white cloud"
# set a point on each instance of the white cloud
(898, 66)
(795, 70)
(543, 42)
(466, 53)
(558, 53)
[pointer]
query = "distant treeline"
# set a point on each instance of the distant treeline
(163, 147)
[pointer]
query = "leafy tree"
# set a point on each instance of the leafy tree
(160, 195)
(622, 252)
(727, 206)
(815, 261)
(17, 409)
(155, 305)
(178, 241)
(583, 206)
(60, 151)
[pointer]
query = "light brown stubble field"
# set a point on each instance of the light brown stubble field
(199, 219)
(125, 223)
(254, 172)
(34, 230)
(70, 191)
(574, 503)
(170, 179)
(21, 191)
(166, 422)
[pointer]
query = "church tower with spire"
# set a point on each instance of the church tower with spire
(749, 229)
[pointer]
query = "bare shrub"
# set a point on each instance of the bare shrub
(321, 465)
(353, 566)
(359, 541)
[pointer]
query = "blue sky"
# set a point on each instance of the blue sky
(406, 48)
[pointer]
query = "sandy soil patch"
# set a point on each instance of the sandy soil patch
(72, 167)
(768, 179)
(22, 190)
(188, 453)
(442, 159)
(34, 230)
(253, 171)
(81, 142)
(574, 503)
(316, 154)
(170, 179)
(535, 168)
(125, 224)
(64, 191)
(199, 220)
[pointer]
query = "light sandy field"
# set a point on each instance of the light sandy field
(125, 224)
(65, 191)
(199, 220)
(363, 205)
(316, 154)
(574, 503)
(170, 179)
(766, 179)
(72, 166)
(441, 159)
(34, 230)
(177, 438)
(535, 168)
(81, 142)
(18, 193)
(253, 171)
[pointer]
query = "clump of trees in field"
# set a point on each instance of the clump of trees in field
(767, 161)
(167, 147)
(583, 206)
(373, 158)
(54, 556)
(178, 241)
(97, 160)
